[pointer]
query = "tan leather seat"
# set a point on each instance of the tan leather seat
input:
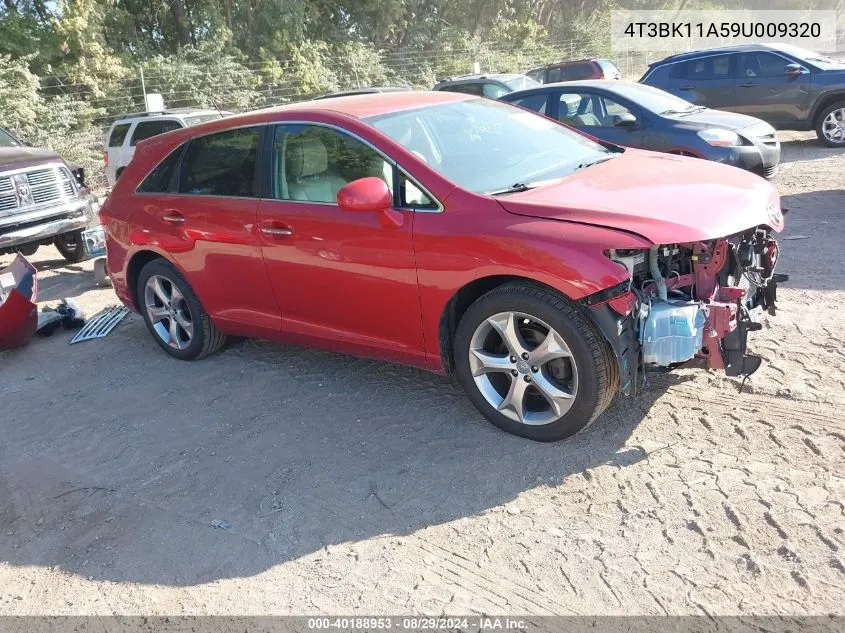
(306, 168)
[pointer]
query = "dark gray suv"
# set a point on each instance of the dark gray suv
(789, 87)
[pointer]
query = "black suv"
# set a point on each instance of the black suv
(789, 87)
(491, 85)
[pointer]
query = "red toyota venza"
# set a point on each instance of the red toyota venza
(543, 268)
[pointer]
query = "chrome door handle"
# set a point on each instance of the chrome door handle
(174, 218)
(275, 231)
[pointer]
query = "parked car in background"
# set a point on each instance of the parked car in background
(636, 115)
(789, 87)
(593, 68)
(492, 85)
(126, 132)
(43, 200)
(364, 91)
(452, 233)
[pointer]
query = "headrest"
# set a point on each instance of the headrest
(305, 157)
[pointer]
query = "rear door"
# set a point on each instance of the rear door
(706, 81)
(206, 221)
(763, 90)
(343, 277)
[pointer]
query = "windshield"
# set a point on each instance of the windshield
(488, 146)
(7, 140)
(521, 83)
(653, 99)
(817, 59)
(201, 118)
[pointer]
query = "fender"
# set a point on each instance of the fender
(820, 100)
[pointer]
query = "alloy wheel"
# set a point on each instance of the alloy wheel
(168, 312)
(523, 368)
(833, 126)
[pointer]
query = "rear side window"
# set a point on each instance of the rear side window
(535, 102)
(159, 179)
(148, 129)
(221, 164)
(468, 89)
(118, 134)
(713, 67)
(571, 72)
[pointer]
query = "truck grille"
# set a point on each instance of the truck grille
(35, 188)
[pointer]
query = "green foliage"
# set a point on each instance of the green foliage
(68, 67)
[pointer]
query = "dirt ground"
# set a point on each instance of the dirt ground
(352, 486)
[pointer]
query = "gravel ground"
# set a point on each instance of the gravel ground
(352, 486)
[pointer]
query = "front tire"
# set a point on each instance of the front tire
(71, 247)
(173, 313)
(533, 363)
(830, 127)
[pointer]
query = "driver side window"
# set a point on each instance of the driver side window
(311, 163)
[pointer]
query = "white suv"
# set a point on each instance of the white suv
(125, 133)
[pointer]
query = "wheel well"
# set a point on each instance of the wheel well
(133, 271)
(825, 102)
(462, 300)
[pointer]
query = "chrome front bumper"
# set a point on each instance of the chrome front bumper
(75, 215)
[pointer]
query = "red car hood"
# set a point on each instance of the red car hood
(664, 198)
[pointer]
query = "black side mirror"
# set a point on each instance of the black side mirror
(27, 143)
(625, 120)
(794, 70)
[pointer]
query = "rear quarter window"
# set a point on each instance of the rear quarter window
(148, 129)
(159, 179)
(118, 134)
(221, 164)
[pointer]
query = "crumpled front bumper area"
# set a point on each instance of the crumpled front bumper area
(44, 224)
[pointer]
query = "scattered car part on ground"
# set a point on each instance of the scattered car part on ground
(575, 70)
(491, 85)
(42, 202)
(127, 131)
(636, 115)
(789, 87)
(67, 315)
(508, 249)
(18, 310)
(99, 325)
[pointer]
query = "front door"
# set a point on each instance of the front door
(601, 116)
(347, 279)
(765, 91)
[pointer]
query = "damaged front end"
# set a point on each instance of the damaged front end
(691, 303)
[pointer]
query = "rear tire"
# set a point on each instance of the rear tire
(71, 246)
(561, 396)
(173, 313)
(830, 125)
